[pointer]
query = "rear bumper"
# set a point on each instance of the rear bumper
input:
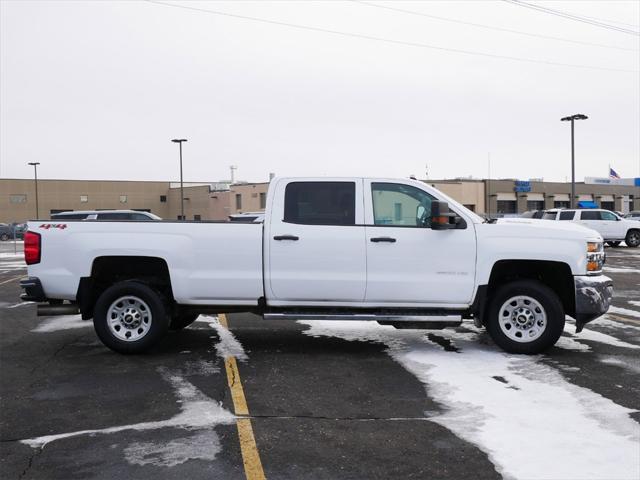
(593, 297)
(33, 291)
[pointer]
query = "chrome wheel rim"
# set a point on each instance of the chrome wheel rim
(634, 238)
(522, 319)
(129, 318)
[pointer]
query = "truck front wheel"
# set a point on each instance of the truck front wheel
(525, 316)
(130, 317)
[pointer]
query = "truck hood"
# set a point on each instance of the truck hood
(548, 228)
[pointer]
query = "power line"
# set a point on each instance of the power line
(576, 18)
(389, 40)
(489, 27)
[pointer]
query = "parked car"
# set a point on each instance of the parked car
(6, 232)
(613, 228)
(18, 230)
(247, 217)
(393, 251)
(533, 214)
(633, 214)
(105, 215)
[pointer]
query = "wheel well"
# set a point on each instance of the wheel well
(555, 275)
(108, 270)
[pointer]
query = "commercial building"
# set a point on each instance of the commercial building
(218, 200)
(202, 201)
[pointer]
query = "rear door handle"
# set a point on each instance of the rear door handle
(383, 239)
(286, 237)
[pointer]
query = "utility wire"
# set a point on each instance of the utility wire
(389, 40)
(489, 27)
(576, 18)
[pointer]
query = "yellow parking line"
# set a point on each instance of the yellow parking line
(624, 319)
(250, 456)
(11, 280)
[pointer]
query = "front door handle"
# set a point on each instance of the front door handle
(286, 237)
(383, 239)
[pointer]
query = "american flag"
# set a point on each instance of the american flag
(613, 174)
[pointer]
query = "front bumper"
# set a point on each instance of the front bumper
(593, 297)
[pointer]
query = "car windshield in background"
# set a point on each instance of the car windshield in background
(549, 216)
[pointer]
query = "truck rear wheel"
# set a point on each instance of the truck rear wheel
(130, 317)
(525, 316)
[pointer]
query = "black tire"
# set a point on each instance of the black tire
(157, 320)
(182, 320)
(633, 238)
(546, 298)
(613, 244)
(4, 237)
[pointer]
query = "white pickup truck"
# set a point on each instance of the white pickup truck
(394, 251)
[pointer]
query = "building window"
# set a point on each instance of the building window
(535, 204)
(180, 217)
(238, 201)
(607, 205)
(123, 199)
(84, 198)
(397, 211)
(561, 204)
(506, 207)
(263, 201)
(18, 198)
(163, 199)
(197, 218)
(470, 207)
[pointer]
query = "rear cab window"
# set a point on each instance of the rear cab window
(590, 215)
(320, 203)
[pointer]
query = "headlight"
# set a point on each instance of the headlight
(595, 257)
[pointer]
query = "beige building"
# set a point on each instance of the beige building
(202, 201)
(470, 193)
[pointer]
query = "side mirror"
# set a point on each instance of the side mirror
(441, 217)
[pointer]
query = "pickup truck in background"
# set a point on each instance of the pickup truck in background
(398, 252)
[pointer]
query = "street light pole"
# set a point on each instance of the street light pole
(35, 173)
(179, 142)
(572, 118)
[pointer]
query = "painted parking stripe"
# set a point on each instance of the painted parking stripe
(250, 455)
(11, 280)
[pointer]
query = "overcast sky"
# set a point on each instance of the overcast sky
(96, 89)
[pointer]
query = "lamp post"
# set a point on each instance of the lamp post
(572, 118)
(35, 173)
(179, 142)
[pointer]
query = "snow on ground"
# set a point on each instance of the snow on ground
(621, 270)
(531, 422)
(197, 412)
(64, 322)
(624, 311)
(228, 345)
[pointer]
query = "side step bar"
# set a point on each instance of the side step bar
(453, 320)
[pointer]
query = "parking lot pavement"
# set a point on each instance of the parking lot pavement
(330, 400)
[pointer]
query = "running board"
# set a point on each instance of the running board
(449, 320)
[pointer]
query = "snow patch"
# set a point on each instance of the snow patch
(579, 433)
(66, 322)
(594, 336)
(201, 446)
(197, 411)
(621, 270)
(228, 345)
(624, 311)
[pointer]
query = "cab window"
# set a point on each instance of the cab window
(590, 215)
(567, 215)
(320, 203)
(549, 216)
(608, 216)
(400, 205)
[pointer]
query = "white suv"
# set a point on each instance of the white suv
(613, 228)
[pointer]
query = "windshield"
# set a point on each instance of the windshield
(549, 216)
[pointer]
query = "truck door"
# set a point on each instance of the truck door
(407, 262)
(316, 242)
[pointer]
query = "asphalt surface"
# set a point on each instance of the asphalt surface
(322, 406)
